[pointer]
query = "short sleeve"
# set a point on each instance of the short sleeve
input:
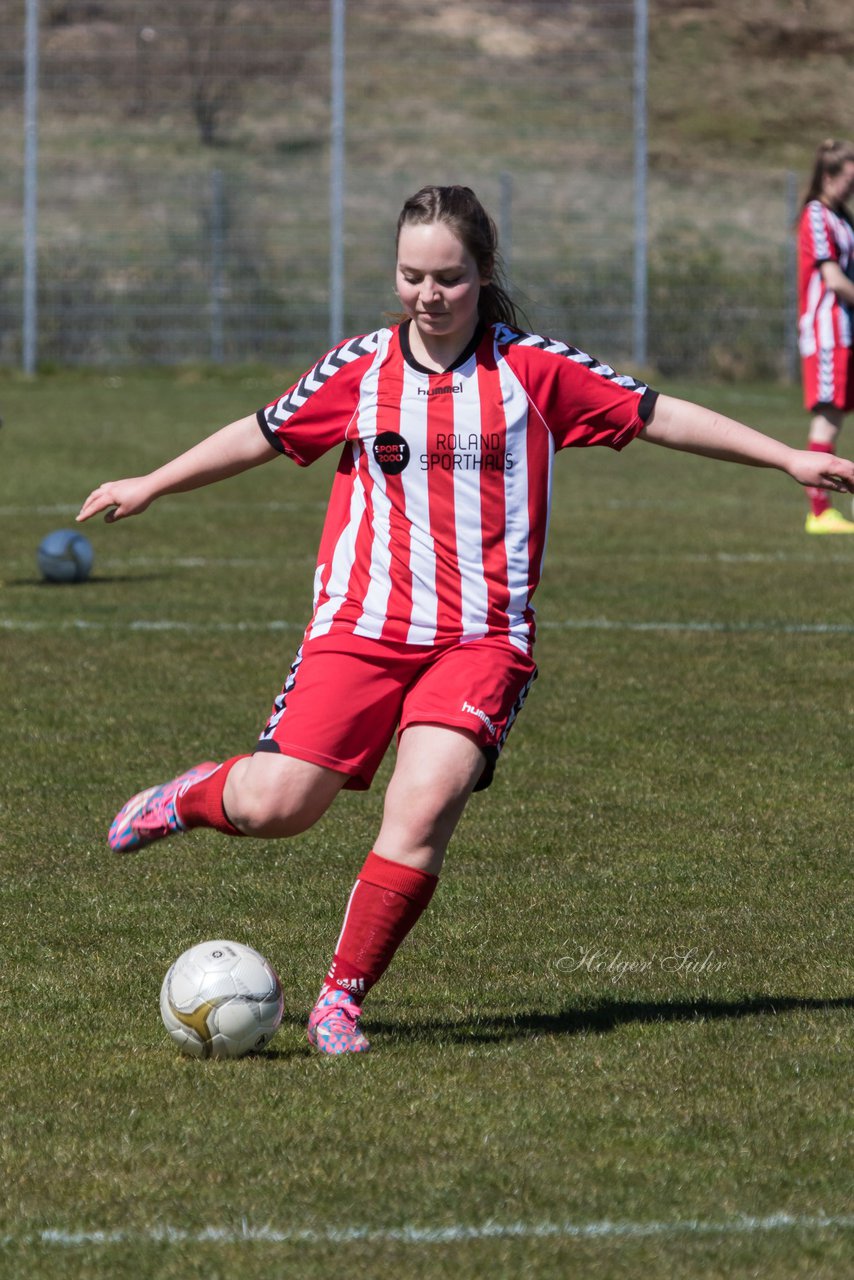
(581, 400)
(817, 240)
(314, 414)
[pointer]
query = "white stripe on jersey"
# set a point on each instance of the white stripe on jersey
(467, 510)
(824, 321)
(342, 560)
(517, 534)
(807, 343)
(375, 599)
(422, 550)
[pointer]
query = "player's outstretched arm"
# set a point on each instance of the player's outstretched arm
(679, 424)
(235, 448)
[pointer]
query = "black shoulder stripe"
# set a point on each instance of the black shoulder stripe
(508, 336)
(320, 373)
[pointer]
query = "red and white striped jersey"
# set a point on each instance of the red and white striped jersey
(824, 320)
(437, 522)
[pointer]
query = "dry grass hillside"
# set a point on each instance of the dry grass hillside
(760, 82)
(532, 94)
(729, 81)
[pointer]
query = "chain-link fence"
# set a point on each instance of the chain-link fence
(184, 179)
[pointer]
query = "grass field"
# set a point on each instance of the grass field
(618, 1045)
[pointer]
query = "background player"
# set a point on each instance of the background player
(826, 312)
(429, 557)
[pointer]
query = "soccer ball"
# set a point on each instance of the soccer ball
(65, 556)
(221, 1000)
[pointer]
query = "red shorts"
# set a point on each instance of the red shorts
(346, 694)
(828, 378)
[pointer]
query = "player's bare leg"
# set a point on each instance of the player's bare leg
(436, 769)
(266, 795)
(272, 796)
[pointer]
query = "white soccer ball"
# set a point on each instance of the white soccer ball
(65, 556)
(221, 1000)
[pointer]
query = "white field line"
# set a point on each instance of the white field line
(190, 562)
(657, 504)
(199, 562)
(71, 509)
(555, 562)
(56, 509)
(717, 557)
(568, 624)
(743, 1224)
(149, 624)
(713, 628)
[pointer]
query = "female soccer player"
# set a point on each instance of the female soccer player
(826, 313)
(429, 557)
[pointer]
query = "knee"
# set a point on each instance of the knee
(264, 801)
(257, 814)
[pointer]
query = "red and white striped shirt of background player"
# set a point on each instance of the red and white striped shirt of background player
(438, 517)
(824, 321)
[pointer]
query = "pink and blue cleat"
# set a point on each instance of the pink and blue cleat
(333, 1025)
(150, 815)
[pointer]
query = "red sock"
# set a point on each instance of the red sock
(387, 899)
(819, 501)
(201, 804)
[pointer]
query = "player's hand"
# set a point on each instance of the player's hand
(118, 498)
(823, 471)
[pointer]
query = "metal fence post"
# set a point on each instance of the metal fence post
(505, 222)
(31, 148)
(336, 176)
(640, 173)
(217, 232)
(791, 269)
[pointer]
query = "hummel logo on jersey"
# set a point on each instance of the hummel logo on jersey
(482, 717)
(453, 390)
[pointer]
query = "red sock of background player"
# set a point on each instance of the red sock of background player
(819, 501)
(387, 899)
(201, 804)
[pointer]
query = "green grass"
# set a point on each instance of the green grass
(669, 795)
